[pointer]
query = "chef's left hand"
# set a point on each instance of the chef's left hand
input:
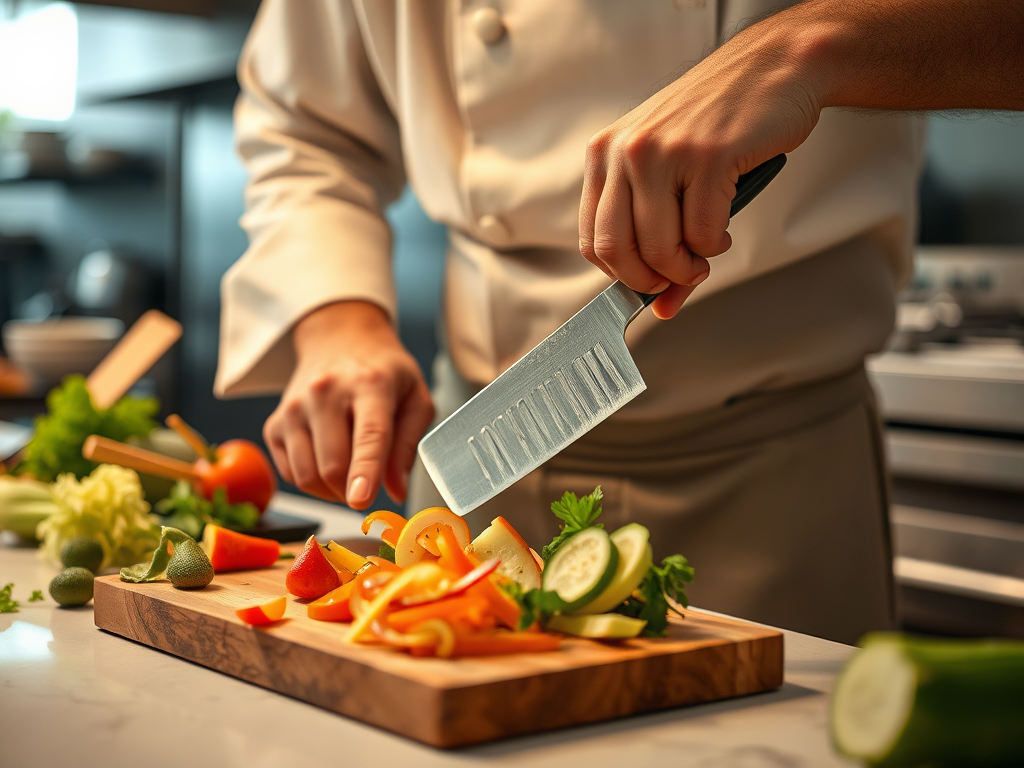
(659, 181)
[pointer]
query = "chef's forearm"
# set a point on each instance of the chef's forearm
(909, 54)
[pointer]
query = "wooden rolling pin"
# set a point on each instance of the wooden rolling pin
(108, 451)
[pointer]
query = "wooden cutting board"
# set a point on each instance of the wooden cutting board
(441, 702)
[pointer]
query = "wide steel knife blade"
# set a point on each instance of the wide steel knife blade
(560, 390)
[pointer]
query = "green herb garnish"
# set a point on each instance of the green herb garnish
(575, 514)
(7, 603)
(56, 445)
(187, 511)
(36, 596)
(386, 552)
(651, 603)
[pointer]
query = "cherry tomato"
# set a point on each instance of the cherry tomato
(242, 470)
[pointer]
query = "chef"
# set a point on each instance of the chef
(756, 449)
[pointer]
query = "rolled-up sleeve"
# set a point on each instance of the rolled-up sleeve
(322, 150)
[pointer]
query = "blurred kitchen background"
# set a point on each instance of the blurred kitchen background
(120, 191)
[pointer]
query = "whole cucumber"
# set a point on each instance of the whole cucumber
(912, 701)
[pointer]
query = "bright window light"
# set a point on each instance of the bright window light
(39, 62)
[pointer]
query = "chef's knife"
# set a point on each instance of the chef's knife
(568, 384)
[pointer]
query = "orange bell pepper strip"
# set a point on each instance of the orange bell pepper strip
(382, 564)
(393, 524)
(505, 609)
(421, 576)
(268, 613)
(452, 555)
(450, 609)
(334, 606)
(502, 642)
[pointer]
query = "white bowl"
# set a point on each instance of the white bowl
(52, 349)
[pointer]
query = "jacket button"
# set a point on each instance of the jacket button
(488, 25)
(494, 229)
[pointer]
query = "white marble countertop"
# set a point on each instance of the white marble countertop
(72, 695)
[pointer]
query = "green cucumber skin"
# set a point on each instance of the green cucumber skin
(616, 593)
(598, 588)
(969, 705)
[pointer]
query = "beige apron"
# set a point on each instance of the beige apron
(778, 498)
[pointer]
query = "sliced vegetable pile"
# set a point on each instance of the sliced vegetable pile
(448, 596)
(600, 585)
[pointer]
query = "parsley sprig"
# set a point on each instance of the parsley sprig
(575, 514)
(7, 603)
(652, 600)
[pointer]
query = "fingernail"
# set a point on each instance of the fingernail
(700, 278)
(358, 490)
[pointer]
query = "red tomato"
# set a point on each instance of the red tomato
(242, 470)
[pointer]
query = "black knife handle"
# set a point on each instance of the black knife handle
(748, 186)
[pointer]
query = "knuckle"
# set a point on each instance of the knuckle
(371, 437)
(322, 385)
(587, 250)
(370, 377)
(334, 473)
(292, 410)
(598, 144)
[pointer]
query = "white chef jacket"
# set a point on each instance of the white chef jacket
(344, 100)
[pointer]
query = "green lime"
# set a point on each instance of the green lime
(72, 586)
(189, 567)
(82, 552)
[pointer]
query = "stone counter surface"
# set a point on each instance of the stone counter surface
(73, 696)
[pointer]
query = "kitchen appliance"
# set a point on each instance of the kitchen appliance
(441, 702)
(560, 390)
(951, 389)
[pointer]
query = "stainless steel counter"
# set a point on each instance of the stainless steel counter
(73, 695)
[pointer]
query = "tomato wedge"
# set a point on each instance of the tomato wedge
(267, 613)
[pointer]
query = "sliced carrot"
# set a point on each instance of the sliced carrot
(421, 576)
(452, 555)
(232, 551)
(501, 642)
(267, 613)
(504, 607)
(450, 609)
(334, 606)
(393, 524)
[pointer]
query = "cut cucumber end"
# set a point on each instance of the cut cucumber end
(633, 544)
(604, 626)
(873, 701)
(582, 568)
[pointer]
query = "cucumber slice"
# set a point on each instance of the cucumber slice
(581, 568)
(608, 626)
(632, 542)
(903, 701)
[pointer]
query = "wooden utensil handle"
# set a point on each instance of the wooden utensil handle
(109, 451)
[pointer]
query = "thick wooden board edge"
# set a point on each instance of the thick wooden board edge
(443, 717)
(393, 706)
